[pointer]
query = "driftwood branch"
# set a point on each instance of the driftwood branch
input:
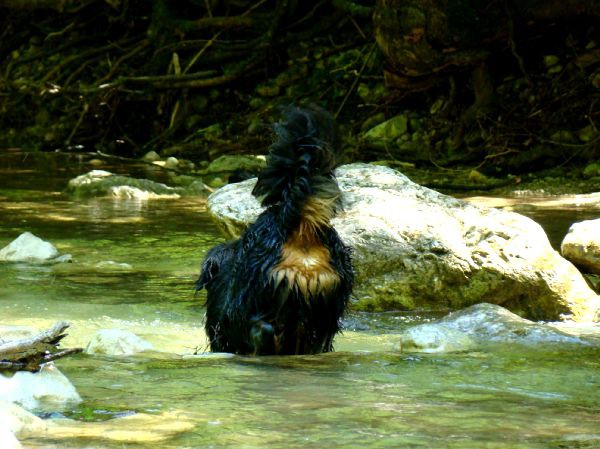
(28, 354)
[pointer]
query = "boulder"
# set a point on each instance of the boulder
(415, 248)
(479, 325)
(48, 389)
(581, 245)
(30, 248)
(116, 342)
(141, 428)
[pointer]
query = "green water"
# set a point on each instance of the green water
(365, 395)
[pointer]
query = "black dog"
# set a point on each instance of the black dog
(283, 286)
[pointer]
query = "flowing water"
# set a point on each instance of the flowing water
(365, 395)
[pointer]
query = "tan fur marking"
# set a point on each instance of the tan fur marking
(316, 214)
(304, 260)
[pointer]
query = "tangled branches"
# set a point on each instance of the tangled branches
(121, 77)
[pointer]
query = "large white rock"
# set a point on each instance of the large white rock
(45, 390)
(28, 248)
(116, 342)
(415, 248)
(581, 245)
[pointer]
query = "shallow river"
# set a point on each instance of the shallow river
(365, 395)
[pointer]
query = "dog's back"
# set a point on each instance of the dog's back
(284, 285)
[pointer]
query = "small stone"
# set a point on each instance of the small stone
(477, 177)
(116, 342)
(268, 91)
(432, 338)
(437, 106)
(555, 69)
(551, 60)
(151, 156)
(171, 162)
(113, 266)
(564, 136)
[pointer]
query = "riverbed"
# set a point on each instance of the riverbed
(134, 266)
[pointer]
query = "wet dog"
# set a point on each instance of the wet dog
(283, 286)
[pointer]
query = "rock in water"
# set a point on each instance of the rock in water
(46, 390)
(29, 248)
(581, 245)
(116, 342)
(479, 325)
(415, 248)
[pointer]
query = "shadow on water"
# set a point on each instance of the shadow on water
(134, 267)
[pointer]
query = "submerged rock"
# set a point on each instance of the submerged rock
(103, 183)
(434, 338)
(116, 342)
(111, 265)
(140, 428)
(48, 389)
(478, 325)
(415, 248)
(147, 430)
(581, 245)
(30, 248)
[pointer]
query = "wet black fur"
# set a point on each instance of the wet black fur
(245, 313)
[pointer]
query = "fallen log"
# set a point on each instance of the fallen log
(29, 354)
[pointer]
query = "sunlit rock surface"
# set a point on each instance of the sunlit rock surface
(30, 248)
(46, 390)
(9, 332)
(478, 325)
(116, 342)
(19, 421)
(415, 248)
(9, 441)
(138, 428)
(581, 245)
